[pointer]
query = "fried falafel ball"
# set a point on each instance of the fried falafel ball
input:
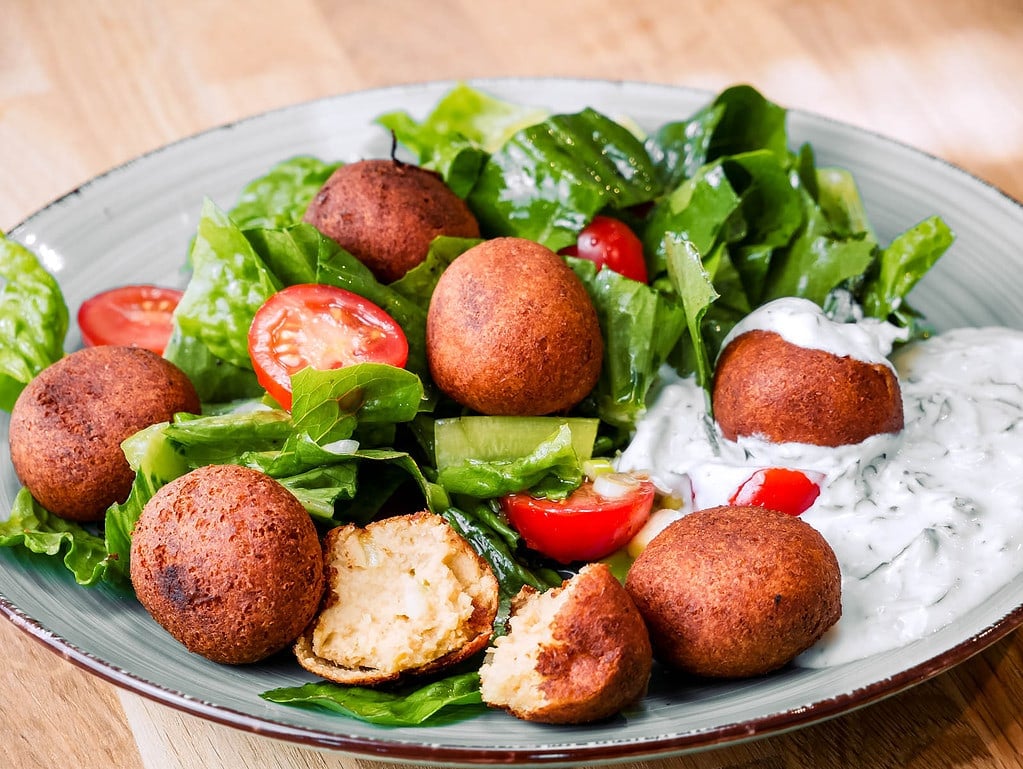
(406, 595)
(574, 654)
(822, 383)
(730, 592)
(386, 213)
(228, 561)
(511, 331)
(68, 424)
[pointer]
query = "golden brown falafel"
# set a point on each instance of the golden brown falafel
(386, 213)
(768, 387)
(573, 654)
(228, 561)
(737, 591)
(406, 595)
(68, 424)
(511, 330)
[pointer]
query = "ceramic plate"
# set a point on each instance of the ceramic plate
(134, 224)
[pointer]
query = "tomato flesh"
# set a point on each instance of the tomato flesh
(611, 243)
(139, 315)
(779, 488)
(584, 527)
(321, 327)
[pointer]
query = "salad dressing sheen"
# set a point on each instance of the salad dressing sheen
(926, 524)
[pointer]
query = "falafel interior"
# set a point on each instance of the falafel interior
(405, 595)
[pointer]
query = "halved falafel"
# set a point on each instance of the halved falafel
(68, 424)
(386, 213)
(511, 331)
(573, 654)
(405, 595)
(228, 561)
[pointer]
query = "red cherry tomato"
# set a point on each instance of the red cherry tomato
(585, 526)
(322, 327)
(778, 488)
(129, 315)
(611, 243)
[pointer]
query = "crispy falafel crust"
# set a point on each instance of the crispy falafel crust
(574, 654)
(766, 386)
(730, 592)
(511, 330)
(68, 424)
(228, 561)
(386, 213)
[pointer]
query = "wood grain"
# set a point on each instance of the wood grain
(87, 86)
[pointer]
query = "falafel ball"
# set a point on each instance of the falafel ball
(573, 654)
(228, 561)
(68, 424)
(735, 591)
(386, 213)
(511, 330)
(769, 387)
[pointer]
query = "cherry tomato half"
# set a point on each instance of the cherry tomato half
(611, 243)
(322, 327)
(585, 526)
(779, 488)
(129, 315)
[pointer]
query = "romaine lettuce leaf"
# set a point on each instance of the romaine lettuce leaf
(679, 149)
(461, 131)
(901, 265)
(818, 260)
(552, 469)
(33, 319)
(229, 283)
(280, 198)
(749, 121)
(35, 529)
(640, 325)
(695, 286)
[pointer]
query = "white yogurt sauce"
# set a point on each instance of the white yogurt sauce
(926, 524)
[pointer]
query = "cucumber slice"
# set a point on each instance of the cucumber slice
(494, 439)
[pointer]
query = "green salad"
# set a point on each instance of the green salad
(730, 217)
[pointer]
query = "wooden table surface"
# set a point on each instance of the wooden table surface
(85, 86)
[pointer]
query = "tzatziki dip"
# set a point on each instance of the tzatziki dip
(926, 523)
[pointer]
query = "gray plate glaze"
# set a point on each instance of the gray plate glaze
(133, 224)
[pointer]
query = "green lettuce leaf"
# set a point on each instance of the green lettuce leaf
(550, 179)
(552, 469)
(33, 528)
(486, 529)
(818, 260)
(461, 131)
(445, 700)
(696, 289)
(901, 265)
(279, 199)
(748, 122)
(679, 149)
(229, 283)
(640, 325)
(33, 320)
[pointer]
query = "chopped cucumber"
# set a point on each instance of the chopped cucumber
(494, 439)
